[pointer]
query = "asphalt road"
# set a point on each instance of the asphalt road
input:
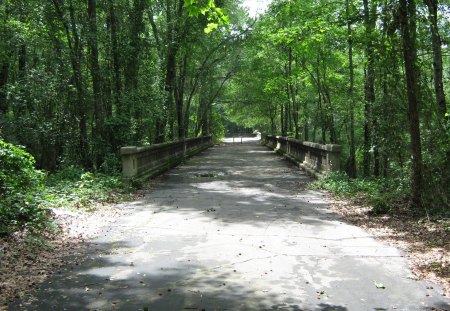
(235, 229)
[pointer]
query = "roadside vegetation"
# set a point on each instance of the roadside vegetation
(46, 218)
(383, 195)
(28, 196)
(381, 206)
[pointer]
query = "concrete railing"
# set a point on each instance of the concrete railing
(315, 158)
(150, 161)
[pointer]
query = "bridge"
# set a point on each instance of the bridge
(235, 228)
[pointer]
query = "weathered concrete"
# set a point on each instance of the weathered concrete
(150, 161)
(234, 229)
(314, 158)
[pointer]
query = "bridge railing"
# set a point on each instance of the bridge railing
(150, 161)
(315, 158)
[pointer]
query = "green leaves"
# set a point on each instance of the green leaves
(17, 172)
(210, 27)
(20, 185)
(216, 16)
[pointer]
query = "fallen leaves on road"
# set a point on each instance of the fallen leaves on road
(379, 285)
(426, 243)
(27, 260)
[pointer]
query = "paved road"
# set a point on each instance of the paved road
(234, 229)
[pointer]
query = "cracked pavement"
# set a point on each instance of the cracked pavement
(235, 229)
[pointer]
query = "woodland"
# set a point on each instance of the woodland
(80, 79)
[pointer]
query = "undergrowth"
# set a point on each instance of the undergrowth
(383, 195)
(74, 188)
(28, 195)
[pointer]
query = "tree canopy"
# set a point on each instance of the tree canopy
(80, 79)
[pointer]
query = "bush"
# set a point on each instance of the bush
(75, 188)
(379, 193)
(20, 187)
(111, 164)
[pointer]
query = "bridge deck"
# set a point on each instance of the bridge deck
(235, 229)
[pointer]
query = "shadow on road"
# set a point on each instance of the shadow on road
(233, 229)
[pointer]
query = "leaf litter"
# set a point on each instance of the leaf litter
(425, 243)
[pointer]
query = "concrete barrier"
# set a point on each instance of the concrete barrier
(314, 158)
(150, 161)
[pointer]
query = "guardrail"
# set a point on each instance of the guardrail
(314, 158)
(150, 161)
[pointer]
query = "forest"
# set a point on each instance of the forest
(80, 79)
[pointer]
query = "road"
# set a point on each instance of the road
(235, 229)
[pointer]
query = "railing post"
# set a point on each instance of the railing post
(333, 157)
(129, 161)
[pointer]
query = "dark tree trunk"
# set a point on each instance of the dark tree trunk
(369, 82)
(115, 58)
(436, 43)
(131, 70)
(173, 16)
(351, 169)
(22, 62)
(73, 42)
(407, 15)
(180, 98)
(4, 70)
(96, 83)
(76, 66)
(292, 93)
(169, 87)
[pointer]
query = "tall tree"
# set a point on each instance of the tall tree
(351, 167)
(370, 18)
(75, 50)
(436, 44)
(407, 16)
(96, 82)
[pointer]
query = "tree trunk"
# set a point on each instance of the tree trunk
(369, 82)
(407, 16)
(73, 42)
(115, 58)
(180, 98)
(432, 6)
(173, 28)
(4, 70)
(351, 169)
(76, 65)
(96, 83)
(131, 71)
(22, 61)
(292, 93)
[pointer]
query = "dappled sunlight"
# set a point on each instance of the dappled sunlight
(236, 235)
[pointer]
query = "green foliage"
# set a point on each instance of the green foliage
(17, 171)
(26, 195)
(216, 16)
(111, 165)
(381, 194)
(340, 184)
(218, 131)
(20, 188)
(74, 188)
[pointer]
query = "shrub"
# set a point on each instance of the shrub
(20, 187)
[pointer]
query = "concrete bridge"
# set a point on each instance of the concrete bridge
(234, 228)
